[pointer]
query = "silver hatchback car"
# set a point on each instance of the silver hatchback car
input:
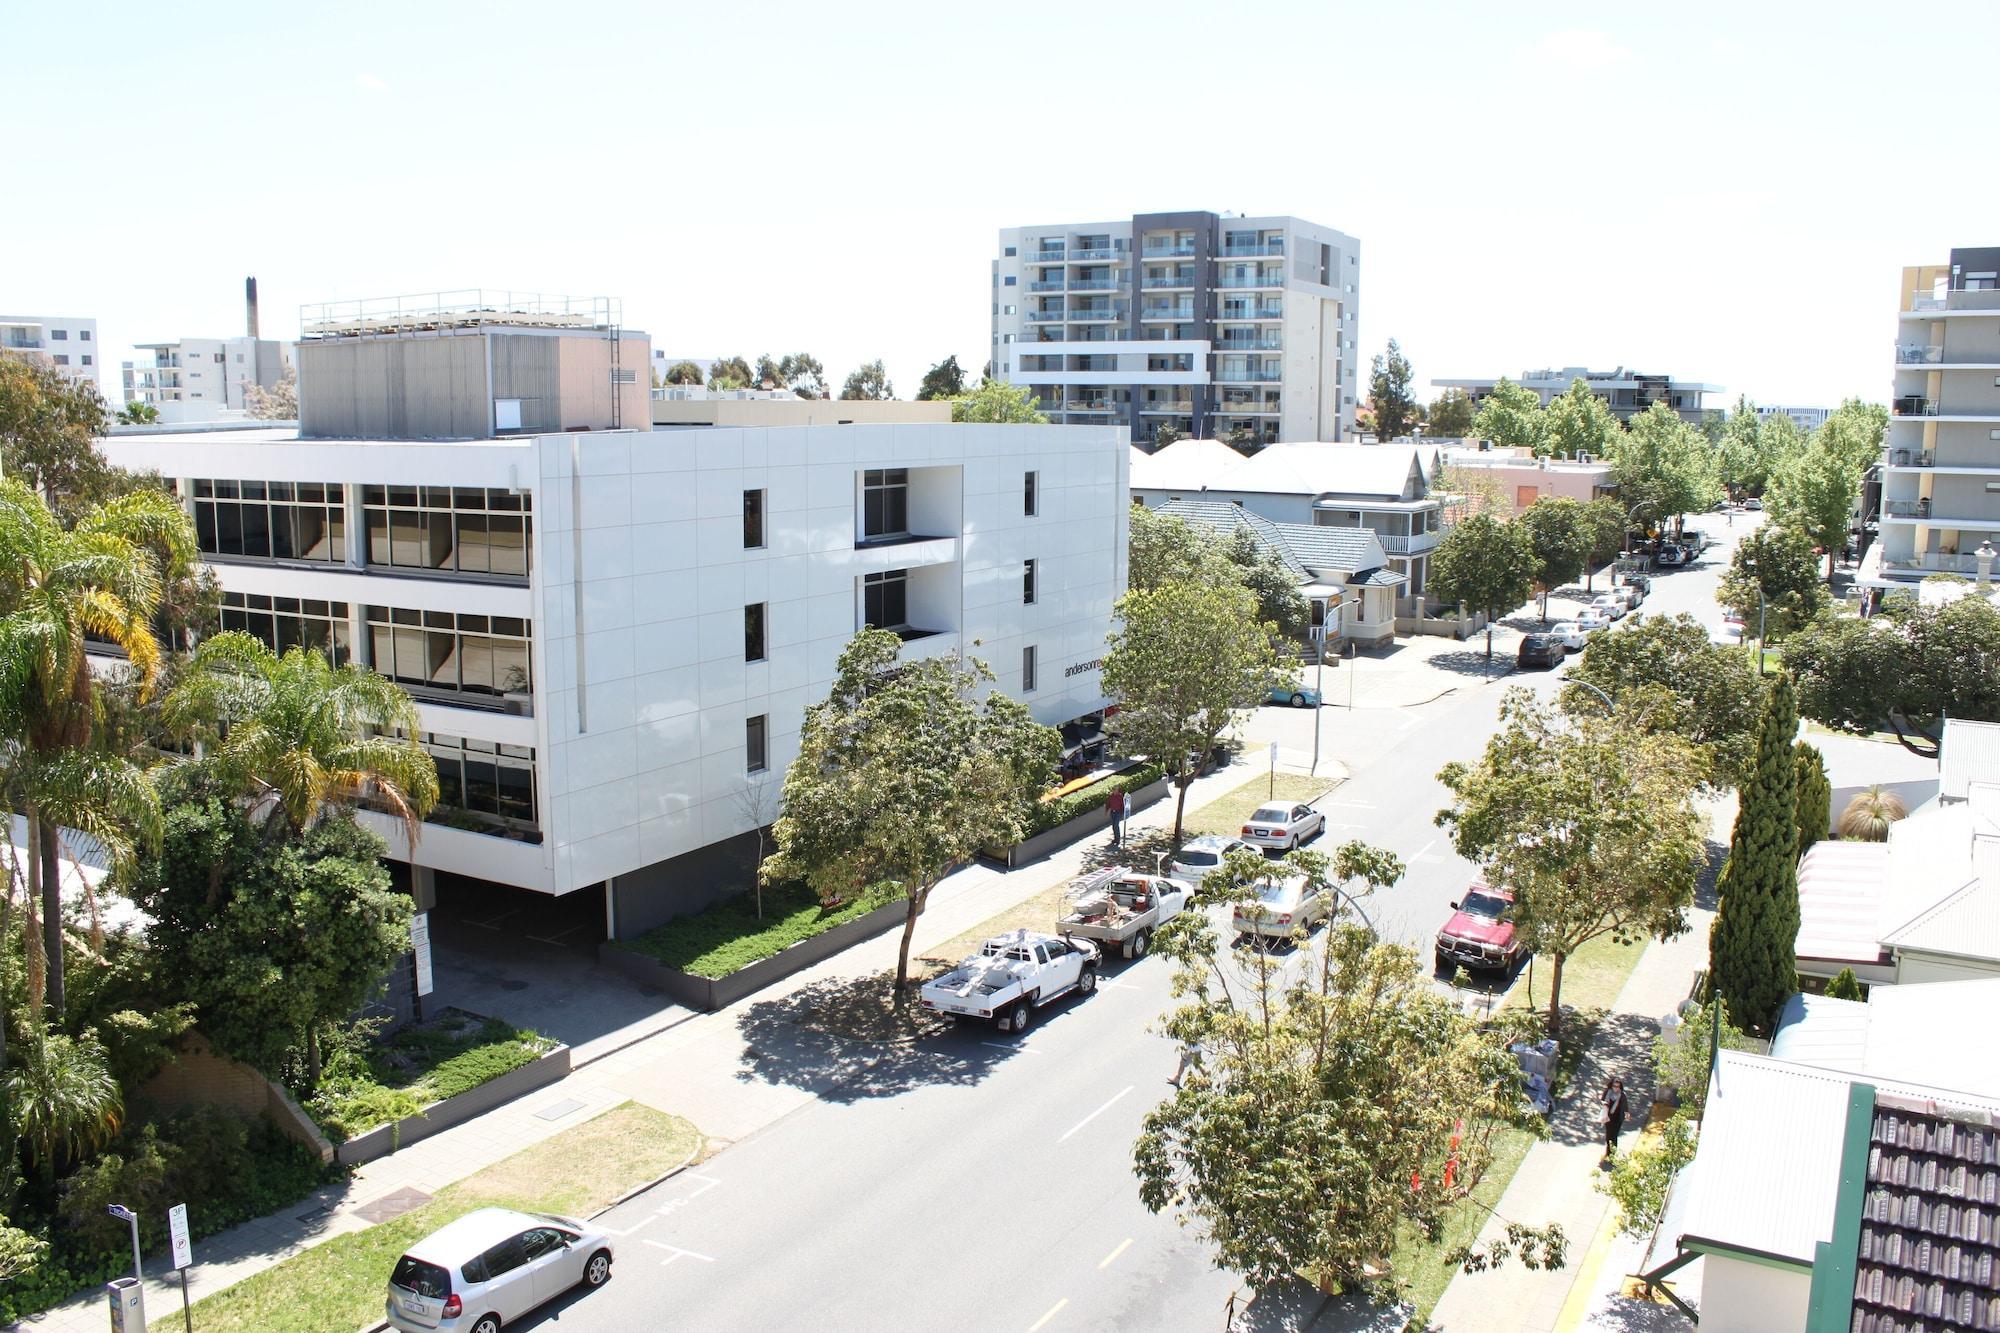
(490, 1267)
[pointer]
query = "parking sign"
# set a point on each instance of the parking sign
(177, 1230)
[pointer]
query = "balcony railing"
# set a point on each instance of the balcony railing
(1262, 409)
(1247, 374)
(1251, 280)
(1047, 257)
(1919, 356)
(1914, 407)
(1045, 286)
(1932, 562)
(1169, 252)
(1039, 316)
(1273, 343)
(1252, 312)
(22, 344)
(1090, 405)
(1152, 284)
(1956, 298)
(1097, 284)
(1078, 256)
(1397, 544)
(1095, 312)
(1906, 508)
(1252, 249)
(1182, 408)
(1167, 312)
(1912, 458)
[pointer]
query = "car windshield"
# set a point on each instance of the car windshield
(1199, 858)
(1271, 814)
(421, 1277)
(1483, 904)
(1537, 641)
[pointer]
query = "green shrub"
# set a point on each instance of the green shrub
(370, 1084)
(1054, 814)
(728, 936)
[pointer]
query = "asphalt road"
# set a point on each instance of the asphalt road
(985, 1181)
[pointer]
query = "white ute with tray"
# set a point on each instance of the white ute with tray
(1120, 909)
(1011, 976)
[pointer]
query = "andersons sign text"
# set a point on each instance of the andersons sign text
(1082, 667)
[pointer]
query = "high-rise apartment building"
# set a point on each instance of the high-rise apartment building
(195, 378)
(65, 342)
(1216, 326)
(612, 633)
(1941, 464)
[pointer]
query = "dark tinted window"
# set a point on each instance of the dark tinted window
(425, 1279)
(540, 1241)
(1537, 641)
(503, 1258)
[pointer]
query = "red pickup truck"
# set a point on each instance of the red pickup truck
(1481, 934)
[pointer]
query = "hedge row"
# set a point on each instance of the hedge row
(1050, 814)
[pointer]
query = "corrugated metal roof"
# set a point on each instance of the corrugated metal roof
(1965, 924)
(1913, 1033)
(1311, 468)
(1184, 465)
(1826, 1033)
(1841, 886)
(1969, 752)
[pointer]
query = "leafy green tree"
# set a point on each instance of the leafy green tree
(1559, 535)
(682, 372)
(63, 1099)
(1714, 700)
(770, 373)
(1664, 466)
(138, 414)
(1910, 669)
(1686, 1062)
(1853, 432)
(56, 586)
(301, 735)
(1292, 1147)
(1389, 394)
(733, 372)
(1813, 492)
(1184, 659)
(1815, 795)
(1451, 415)
(1773, 572)
(49, 425)
(1745, 469)
(277, 944)
(802, 373)
(1639, 1180)
(1579, 422)
(903, 773)
(21, 1252)
(1485, 564)
(1276, 588)
(1166, 548)
(1606, 519)
(1752, 945)
(1164, 435)
(998, 402)
(943, 380)
(1589, 820)
(869, 383)
(280, 402)
(1512, 416)
(1845, 986)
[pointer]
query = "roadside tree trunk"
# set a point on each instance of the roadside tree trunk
(1181, 785)
(915, 903)
(1556, 995)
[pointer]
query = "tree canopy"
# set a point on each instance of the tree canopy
(731, 372)
(998, 402)
(869, 382)
(280, 402)
(1559, 534)
(1389, 394)
(1451, 415)
(1751, 946)
(1773, 570)
(1909, 668)
(1579, 422)
(1716, 701)
(1274, 586)
(1663, 466)
(49, 426)
(1853, 432)
(1512, 416)
(1486, 564)
(1813, 493)
(943, 380)
(904, 771)
(1589, 820)
(682, 372)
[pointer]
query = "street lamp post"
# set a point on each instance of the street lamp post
(1609, 706)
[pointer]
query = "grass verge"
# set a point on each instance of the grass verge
(729, 936)
(339, 1285)
(1226, 814)
(419, 1065)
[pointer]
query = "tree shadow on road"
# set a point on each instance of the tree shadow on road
(1474, 662)
(843, 1039)
(1297, 1307)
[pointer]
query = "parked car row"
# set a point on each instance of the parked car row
(1548, 647)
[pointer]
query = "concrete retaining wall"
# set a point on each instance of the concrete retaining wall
(440, 1116)
(710, 995)
(1062, 835)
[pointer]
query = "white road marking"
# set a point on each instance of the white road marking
(1347, 805)
(1107, 1260)
(1425, 855)
(707, 1183)
(1054, 1310)
(678, 1253)
(493, 923)
(1092, 1116)
(1007, 1046)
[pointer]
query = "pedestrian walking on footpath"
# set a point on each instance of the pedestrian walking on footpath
(1190, 1059)
(1614, 1115)
(1116, 807)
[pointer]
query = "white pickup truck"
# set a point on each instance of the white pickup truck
(1011, 976)
(1122, 908)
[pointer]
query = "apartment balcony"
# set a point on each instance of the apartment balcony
(22, 344)
(1249, 375)
(1253, 249)
(1919, 512)
(1169, 252)
(1167, 312)
(1094, 406)
(1924, 460)
(1045, 286)
(1957, 301)
(1047, 257)
(1914, 407)
(1046, 316)
(1269, 407)
(1414, 544)
(1253, 280)
(1091, 256)
(1176, 283)
(1097, 284)
(1929, 562)
(1170, 407)
(1911, 406)
(1095, 313)
(1934, 356)
(1252, 314)
(1270, 342)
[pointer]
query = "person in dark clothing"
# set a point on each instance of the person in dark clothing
(1614, 1114)
(1116, 806)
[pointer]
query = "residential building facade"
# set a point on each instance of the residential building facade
(67, 342)
(1508, 481)
(1211, 325)
(1941, 464)
(1626, 392)
(196, 379)
(1807, 419)
(613, 633)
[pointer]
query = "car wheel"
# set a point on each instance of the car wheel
(488, 1323)
(1444, 962)
(1298, 701)
(598, 1271)
(1088, 982)
(1024, 1013)
(1141, 942)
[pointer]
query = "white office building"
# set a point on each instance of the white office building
(1628, 393)
(67, 342)
(203, 379)
(613, 633)
(1216, 326)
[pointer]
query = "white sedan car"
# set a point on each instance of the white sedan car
(1280, 910)
(1609, 605)
(491, 1267)
(1283, 827)
(1590, 621)
(1569, 634)
(1202, 855)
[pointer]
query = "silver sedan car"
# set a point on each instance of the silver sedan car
(1282, 827)
(491, 1267)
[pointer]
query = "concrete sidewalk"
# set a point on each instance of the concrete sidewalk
(704, 1069)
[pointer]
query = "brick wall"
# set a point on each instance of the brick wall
(199, 1076)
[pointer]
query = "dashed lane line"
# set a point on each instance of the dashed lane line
(1093, 1115)
(1108, 1259)
(1054, 1310)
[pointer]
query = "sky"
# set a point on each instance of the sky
(1721, 192)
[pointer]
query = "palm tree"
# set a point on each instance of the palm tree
(103, 579)
(301, 735)
(64, 1098)
(1868, 816)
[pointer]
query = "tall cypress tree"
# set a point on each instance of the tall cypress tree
(1751, 958)
(1815, 795)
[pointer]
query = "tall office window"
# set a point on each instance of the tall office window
(1031, 493)
(753, 520)
(885, 599)
(1027, 583)
(885, 502)
(756, 755)
(1028, 672)
(271, 520)
(753, 632)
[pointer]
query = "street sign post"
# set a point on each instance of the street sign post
(177, 1233)
(1272, 792)
(420, 945)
